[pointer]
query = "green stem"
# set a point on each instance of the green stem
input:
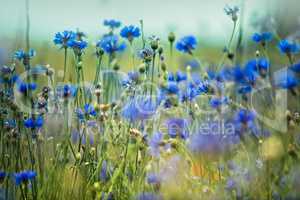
(152, 75)
(143, 36)
(96, 80)
(65, 64)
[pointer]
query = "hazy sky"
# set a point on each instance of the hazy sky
(202, 17)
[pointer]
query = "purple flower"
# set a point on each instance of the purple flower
(153, 178)
(213, 138)
(208, 143)
(244, 120)
(103, 172)
(139, 108)
(230, 184)
(154, 143)
(177, 127)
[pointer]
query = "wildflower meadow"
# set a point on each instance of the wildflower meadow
(137, 116)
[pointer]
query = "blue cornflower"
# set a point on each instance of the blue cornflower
(286, 79)
(2, 176)
(153, 178)
(232, 11)
(245, 116)
(170, 76)
(112, 23)
(139, 108)
(88, 110)
(181, 76)
(186, 44)
(132, 77)
(245, 120)
(25, 87)
(34, 122)
(172, 87)
(77, 45)
(146, 54)
(10, 123)
(67, 91)
(288, 47)
(202, 87)
(22, 55)
(296, 67)
(194, 64)
(217, 102)
(230, 184)
(262, 37)
(244, 89)
(177, 127)
(64, 38)
(263, 66)
(230, 74)
(24, 176)
(212, 74)
(189, 93)
(148, 196)
(250, 72)
(130, 111)
(130, 32)
(110, 44)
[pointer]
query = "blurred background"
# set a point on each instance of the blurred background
(205, 19)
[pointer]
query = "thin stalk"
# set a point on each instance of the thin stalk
(133, 57)
(27, 26)
(171, 53)
(152, 74)
(143, 36)
(229, 43)
(65, 64)
(96, 79)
